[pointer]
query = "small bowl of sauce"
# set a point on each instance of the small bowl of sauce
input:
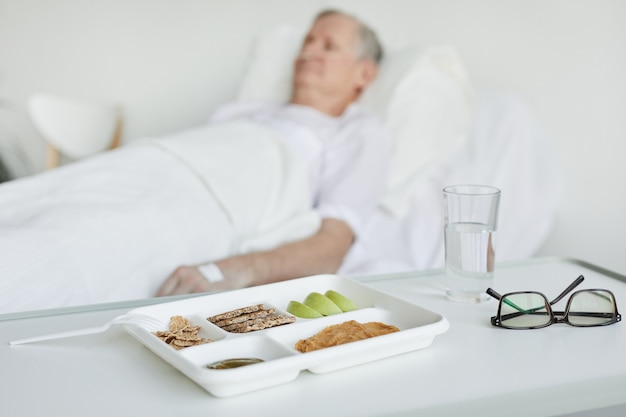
(233, 363)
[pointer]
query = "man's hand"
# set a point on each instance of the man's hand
(238, 272)
(184, 280)
(318, 254)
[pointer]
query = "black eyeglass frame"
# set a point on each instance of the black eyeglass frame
(563, 315)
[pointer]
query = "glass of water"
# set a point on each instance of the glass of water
(471, 217)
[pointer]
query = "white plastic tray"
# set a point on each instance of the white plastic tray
(282, 362)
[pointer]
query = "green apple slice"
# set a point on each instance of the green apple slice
(343, 302)
(322, 304)
(302, 310)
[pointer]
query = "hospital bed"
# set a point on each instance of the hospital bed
(446, 130)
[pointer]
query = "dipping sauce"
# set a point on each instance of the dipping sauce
(233, 363)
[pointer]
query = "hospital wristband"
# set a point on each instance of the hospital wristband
(211, 272)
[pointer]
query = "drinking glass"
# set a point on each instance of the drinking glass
(471, 213)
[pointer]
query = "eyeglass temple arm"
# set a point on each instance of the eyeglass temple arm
(493, 293)
(567, 290)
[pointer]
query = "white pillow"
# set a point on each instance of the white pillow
(425, 99)
(268, 75)
(422, 95)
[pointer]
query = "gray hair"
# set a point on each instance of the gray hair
(369, 46)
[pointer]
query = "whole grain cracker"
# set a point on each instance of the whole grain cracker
(245, 317)
(181, 334)
(261, 323)
(235, 313)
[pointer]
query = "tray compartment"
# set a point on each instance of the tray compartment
(252, 346)
(309, 327)
(206, 330)
(230, 325)
(277, 367)
(414, 334)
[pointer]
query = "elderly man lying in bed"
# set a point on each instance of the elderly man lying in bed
(262, 193)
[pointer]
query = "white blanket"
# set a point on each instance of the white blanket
(261, 184)
(115, 226)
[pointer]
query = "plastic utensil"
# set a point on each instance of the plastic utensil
(148, 322)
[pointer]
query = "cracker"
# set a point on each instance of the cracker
(263, 323)
(235, 313)
(178, 323)
(181, 334)
(245, 317)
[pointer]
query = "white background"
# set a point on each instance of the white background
(170, 63)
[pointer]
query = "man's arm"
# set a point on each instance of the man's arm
(321, 253)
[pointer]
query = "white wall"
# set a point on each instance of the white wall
(170, 63)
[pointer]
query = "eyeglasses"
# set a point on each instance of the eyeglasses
(531, 309)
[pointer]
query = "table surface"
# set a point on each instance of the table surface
(472, 369)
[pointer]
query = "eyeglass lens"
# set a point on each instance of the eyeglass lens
(591, 308)
(524, 310)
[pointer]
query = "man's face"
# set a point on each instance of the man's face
(327, 63)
